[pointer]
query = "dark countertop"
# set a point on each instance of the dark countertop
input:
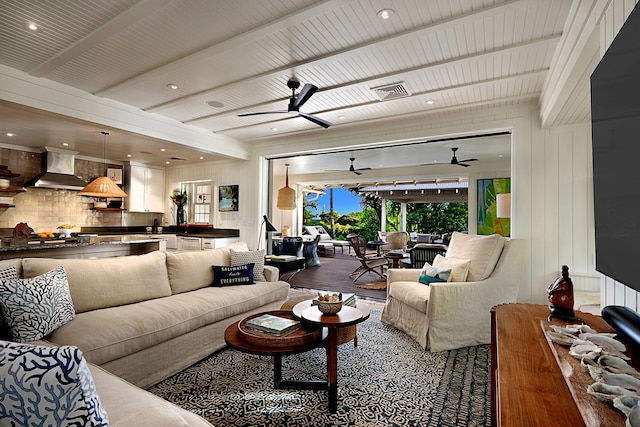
(190, 231)
(72, 244)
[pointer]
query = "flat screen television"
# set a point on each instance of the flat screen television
(615, 116)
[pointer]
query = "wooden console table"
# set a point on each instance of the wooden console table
(527, 385)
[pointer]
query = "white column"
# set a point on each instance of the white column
(383, 214)
(403, 216)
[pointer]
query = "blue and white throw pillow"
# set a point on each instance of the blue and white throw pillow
(35, 307)
(47, 386)
(246, 257)
(225, 275)
(430, 274)
(6, 274)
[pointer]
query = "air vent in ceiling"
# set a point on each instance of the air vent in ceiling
(392, 91)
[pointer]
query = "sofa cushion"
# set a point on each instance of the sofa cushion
(225, 275)
(109, 282)
(35, 307)
(412, 293)
(191, 270)
(246, 257)
(128, 405)
(44, 385)
(483, 251)
(459, 267)
(135, 327)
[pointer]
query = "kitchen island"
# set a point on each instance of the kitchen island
(93, 247)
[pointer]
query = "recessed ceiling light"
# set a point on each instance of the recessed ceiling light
(201, 158)
(167, 162)
(341, 117)
(172, 86)
(385, 14)
(163, 149)
(499, 155)
(10, 134)
(65, 144)
(215, 104)
(274, 129)
(129, 155)
(32, 27)
(431, 101)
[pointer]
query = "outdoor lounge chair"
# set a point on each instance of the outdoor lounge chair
(373, 264)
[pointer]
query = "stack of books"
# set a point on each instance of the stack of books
(274, 325)
(348, 299)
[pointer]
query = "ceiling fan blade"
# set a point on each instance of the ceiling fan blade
(317, 120)
(467, 160)
(462, 164)
(356, 172)
(307, 91)
(264, 112)
(363, 169)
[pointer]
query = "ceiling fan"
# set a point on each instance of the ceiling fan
(351, 168)
(454, 160)
(296, 102)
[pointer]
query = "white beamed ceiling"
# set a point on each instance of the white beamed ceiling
(461, 53)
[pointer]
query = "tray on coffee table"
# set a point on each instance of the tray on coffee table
(303, 335)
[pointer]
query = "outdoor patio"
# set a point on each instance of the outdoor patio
(333, 275)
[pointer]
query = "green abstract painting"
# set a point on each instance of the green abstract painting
(488, 221)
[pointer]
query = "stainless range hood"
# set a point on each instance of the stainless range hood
(57, 171)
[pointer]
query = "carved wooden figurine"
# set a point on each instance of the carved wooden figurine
(561, 297)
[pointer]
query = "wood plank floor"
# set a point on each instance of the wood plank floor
(333, 275)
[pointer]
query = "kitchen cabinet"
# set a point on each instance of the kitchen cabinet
(145, 189)
(190, 243)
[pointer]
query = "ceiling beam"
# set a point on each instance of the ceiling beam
(337, 55)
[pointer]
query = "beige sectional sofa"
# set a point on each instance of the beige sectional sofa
(144, 318)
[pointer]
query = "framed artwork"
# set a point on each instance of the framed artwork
(488, 221)
(228, 198)
(115, 175)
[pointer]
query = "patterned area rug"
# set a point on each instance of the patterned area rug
(388, 380)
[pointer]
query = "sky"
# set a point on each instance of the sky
(344, 201)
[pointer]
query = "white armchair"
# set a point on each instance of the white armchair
(450, 315)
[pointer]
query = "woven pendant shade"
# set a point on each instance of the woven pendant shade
(103, 186)
(286, 196)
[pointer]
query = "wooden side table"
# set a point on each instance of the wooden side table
(348, 316)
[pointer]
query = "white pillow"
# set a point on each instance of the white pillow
(47, 386)
(35, 307)
(483, 251)
(459, 267)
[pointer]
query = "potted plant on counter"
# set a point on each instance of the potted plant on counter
(179, 198)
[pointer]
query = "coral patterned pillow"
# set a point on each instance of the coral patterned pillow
(35, 307)
(47, 386)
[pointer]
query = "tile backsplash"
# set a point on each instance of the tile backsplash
(45, 209)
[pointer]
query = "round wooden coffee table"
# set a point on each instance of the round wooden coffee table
(307, 337)
(348, 316)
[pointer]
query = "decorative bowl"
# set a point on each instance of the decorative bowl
(330, 307)
(65, 232)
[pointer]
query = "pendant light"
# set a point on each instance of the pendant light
(103, 186)
(286, 196)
